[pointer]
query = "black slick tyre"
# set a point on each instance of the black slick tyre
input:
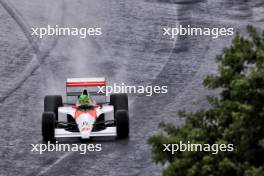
(122, 124)
(51, 104)
(48, 126)
(119, 101)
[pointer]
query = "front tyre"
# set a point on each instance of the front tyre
(48, 126)
(122, 124)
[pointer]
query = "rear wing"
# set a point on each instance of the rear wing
(95, 87)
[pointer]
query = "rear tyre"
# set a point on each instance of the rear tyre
(119, 101)
(48, 126)
(122, 124)
(52, 103)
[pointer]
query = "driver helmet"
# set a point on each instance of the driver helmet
(84, 100)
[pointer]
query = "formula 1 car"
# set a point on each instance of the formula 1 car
(102, 119)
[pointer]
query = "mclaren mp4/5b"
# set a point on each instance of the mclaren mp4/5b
(88, 111)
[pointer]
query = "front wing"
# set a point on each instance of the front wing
(109, 131)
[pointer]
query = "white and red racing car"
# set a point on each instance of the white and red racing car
(105, 118)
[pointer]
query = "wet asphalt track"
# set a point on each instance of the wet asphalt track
(131, 50)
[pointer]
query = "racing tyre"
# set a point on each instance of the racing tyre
(119, 101)
(48, 126)
(122, 124)
(51, 104)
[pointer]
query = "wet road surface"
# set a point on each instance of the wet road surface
(131, 50)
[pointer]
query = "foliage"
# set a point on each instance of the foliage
(235, 117)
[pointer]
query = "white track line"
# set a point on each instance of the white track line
(47, 168)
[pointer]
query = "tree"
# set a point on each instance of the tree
(235, 117)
